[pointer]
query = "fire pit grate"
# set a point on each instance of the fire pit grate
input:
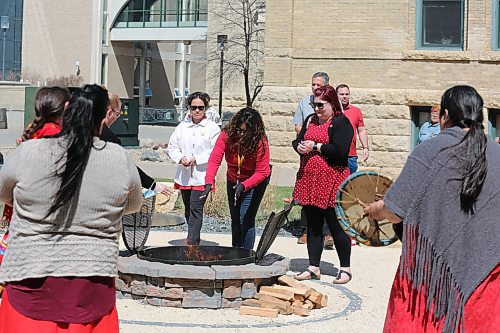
(136, 226)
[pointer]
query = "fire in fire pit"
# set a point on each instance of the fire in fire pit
(211, 255)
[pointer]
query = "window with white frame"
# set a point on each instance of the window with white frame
(440, 24)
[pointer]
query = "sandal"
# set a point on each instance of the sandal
(312, 276)
(337, 278)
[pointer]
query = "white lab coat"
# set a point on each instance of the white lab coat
(192, 140)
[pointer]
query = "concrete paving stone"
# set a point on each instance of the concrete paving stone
(171, 303)
(138, 288)
(155, 281)
(121, 285)
(169, 283)
(187, 272)
(248, 290)
(174, 293)
(153, 291)
(202, 298)
(233, 304)
(154, 301)
(249, 271)
(195, 283)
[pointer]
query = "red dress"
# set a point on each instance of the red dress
(407, 313)
(317, 181)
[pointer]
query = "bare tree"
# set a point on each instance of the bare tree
(242, 21)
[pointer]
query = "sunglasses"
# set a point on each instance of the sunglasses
(319, 105)
(197, 107)
(239, 130)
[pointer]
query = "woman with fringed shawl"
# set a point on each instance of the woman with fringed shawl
(448, 198)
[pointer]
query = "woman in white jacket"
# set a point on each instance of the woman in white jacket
(190, 146)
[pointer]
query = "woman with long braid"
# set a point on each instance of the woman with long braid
(50, 103)
(71, 191)
(447, 197)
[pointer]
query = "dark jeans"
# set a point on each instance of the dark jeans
(193, 210)
(303, 223)
(243, 214)
(316, 217)
(352, 164)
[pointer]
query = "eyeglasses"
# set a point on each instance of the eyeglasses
(197, 107)
(319, 105)
(117, 113)
(240, 130)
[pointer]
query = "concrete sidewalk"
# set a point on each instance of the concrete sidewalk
(358, 306)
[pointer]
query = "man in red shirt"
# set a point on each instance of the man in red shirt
(356, 118)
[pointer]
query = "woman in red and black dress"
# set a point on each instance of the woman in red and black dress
(323, 144)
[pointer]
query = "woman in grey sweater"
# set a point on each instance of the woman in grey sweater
(69, 193)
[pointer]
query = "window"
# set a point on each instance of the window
(440, 24)
(104, 35)
(104, 69)
(496, 25)
(137, 77)
(494, 124)
(187, 75)
(419, 115)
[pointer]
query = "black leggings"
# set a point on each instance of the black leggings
(315, 219)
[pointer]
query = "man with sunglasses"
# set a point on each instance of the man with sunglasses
(356, 118)
(305, 108)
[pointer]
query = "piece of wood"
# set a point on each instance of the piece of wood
(290, 281)
(298, 303)
(324, 301)
(301, 311)
(281, 294)
(309, 306)
(315, 297)
(267, 301)
(251, 302)
(261, 312)
(299, 298)
(303, 291)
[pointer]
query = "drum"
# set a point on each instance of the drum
(358, 191)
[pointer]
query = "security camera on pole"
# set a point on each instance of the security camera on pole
(221, 42)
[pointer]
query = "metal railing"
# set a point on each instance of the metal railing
(148, 116)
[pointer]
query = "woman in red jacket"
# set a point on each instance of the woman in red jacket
(244, 143)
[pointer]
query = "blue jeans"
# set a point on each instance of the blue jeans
(243, 214)
(352, 164)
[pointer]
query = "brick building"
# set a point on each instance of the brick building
(398, 57)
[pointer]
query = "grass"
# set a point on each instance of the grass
(217, 206)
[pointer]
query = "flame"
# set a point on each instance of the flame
(193, 253)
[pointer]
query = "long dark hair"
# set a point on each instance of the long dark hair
(81, 122)
(329, 94)
(49, 106)
(255, 133)
(465, 110)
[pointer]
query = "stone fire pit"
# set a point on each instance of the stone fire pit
(190, 286)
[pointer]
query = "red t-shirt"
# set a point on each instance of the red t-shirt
(254, 169)
(356, 118)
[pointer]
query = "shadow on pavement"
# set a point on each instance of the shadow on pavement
(300, 265)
